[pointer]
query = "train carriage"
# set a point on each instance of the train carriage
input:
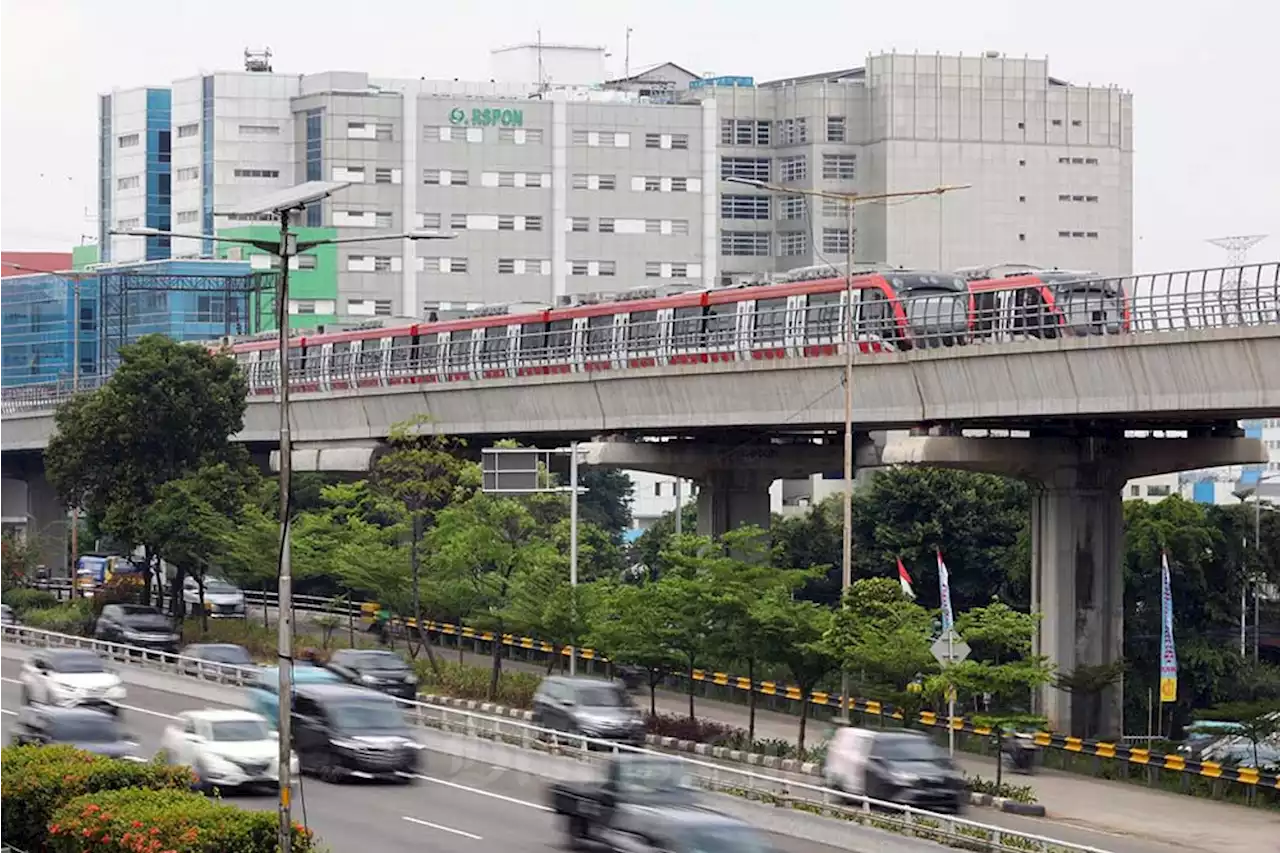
(1029, 302)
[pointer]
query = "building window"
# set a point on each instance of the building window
(186, 131)
(792, 131)
(506, 266)
(839, 167)
(791, 207)
(381, 263)
(190, 173)
(251, 130)
(306, 262)
(593, 268)
(186, 217)
(533, 223)
(129, 140)
(444, 177)
(676, 141)
(127, 224)
(429, 221)
(744, 207)
(652, 185)
(835, 240)
(382, 175)
(383, 219)
(579, 224)
(458, 221)
(792, 243)
(835, 207)
(257, 173)
(506, 222)
(595, 182)
(132, 182)
(792, 168)
(605, 225)
(520, 135)
(601, 139)
(753, 244)
(1091, 198)
(750, 168)
(1057, 122)
(303, 306)
(744, 131)
(835, 129)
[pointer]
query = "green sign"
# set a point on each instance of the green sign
(486, 117)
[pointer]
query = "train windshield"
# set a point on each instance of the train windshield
(936, 313)
(1089, 305)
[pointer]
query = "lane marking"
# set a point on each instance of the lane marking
(503, 797)
(159, 714)
(7, 711)
(431, 825)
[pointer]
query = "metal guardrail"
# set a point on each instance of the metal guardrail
(1227, 297)
(707, 775)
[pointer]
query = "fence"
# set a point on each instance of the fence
(722, 778)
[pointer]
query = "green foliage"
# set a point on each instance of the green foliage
(606, 501)
(647, 549)
(515, 689)
(795, 633)
(882, 635)
(23, 599)
(140, 821)
(1017, 793)
(633, 629)
(71, 617)
(1259, 721)
(17, 558)
(167, 410)
(39, 780)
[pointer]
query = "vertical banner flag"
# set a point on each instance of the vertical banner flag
(944, 585)
(905, 580)
(1168, 655)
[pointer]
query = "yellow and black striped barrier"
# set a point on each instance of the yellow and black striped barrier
(1048, 740)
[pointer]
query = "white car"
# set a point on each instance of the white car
(222, 600)
(225, 748)
(70, 678)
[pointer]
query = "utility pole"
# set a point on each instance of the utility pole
(284, 652)
(626, 58)
(846, 552)
(573, 544)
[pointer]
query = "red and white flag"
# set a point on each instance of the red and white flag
(905, 580)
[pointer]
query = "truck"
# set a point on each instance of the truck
(647, 803)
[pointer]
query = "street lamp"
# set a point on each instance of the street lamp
(76, 278)
(849, 200)
(1243, 495)
(283, 204)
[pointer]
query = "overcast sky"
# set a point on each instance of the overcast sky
(1205, 78)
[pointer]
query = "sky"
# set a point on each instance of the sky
(1204, 78)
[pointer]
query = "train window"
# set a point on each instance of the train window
(642, 331)
(370, 357)
(533, 342)
(987, 316)
(770, 321)
(313, 362)
(269, 368)
(599, 335)
(460, 349)
(822, 316)
(401, 354)
(559, 339)
(493, 349)
(341, 358)
(686, 327)
(722, 324)
(295, 361)
(429, 352)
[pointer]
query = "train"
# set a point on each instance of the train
(801, 314)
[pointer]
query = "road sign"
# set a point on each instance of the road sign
(950, 648)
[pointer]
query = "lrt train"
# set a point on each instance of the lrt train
(802, 314)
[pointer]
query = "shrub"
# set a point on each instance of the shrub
(125, 588)
(70, 617)
(131, 821)
(699, 731)
(24, 599)
(260, 641)
(1016, 793)
(38, 780)
(515, 689)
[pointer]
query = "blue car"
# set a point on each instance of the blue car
(264, 691)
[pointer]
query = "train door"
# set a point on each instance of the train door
(268, 370)
(686, 334)
(430, 362)
(459, 355)
(664, 324)
(823, 326)
(341, 364)
(560, 349)
(595, 342)
(494, 351)
(769, 327)
(722, 334)
(399, 360)
(643, 340)
(1034, 314)
(369, 361)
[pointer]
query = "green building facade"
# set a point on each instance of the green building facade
(313, 275)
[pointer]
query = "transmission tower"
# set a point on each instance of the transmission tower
(1237, 247)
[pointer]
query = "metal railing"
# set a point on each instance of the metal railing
(710, 776)
(757, 327)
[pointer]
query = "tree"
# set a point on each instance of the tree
(545, 605)
(795, 632)
(168, 410)
(647, 550)
(486, 541)
(606, 501)
(191, 523)
(422, 473)
(633, 628)
(18, 559)
(882, 635)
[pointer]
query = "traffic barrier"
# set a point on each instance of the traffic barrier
(723, 778)
(367, 610)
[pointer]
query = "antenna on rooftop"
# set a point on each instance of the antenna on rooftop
(257, 60)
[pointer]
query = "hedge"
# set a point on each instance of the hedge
(36, 781)
(25, 599)
(69, 617)
(462, 681)
(165, 821)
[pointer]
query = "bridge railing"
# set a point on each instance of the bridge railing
(1224, 297)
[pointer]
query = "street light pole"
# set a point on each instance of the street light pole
(573, 544)
(284, 623)
(846, 554)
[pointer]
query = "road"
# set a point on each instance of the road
(455, 806)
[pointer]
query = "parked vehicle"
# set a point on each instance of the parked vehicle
(899, 766)
(70, 678)
(137, 625)
(588, 706)
(84, 728)
(225, 748)
(7, 616)
(342, 731)
(647, 803)
(222, 600)
(264, 690)
(227, 654)
(378, 669)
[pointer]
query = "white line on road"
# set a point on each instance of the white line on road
(428, 823)
(125, 707)
(7, 711)
(503, 797)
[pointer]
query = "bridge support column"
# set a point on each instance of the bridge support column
(1077, 539)
(733, 497)
(33, 512)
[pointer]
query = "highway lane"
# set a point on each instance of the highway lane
(456, 806)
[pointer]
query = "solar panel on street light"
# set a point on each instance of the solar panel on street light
(292, 198)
